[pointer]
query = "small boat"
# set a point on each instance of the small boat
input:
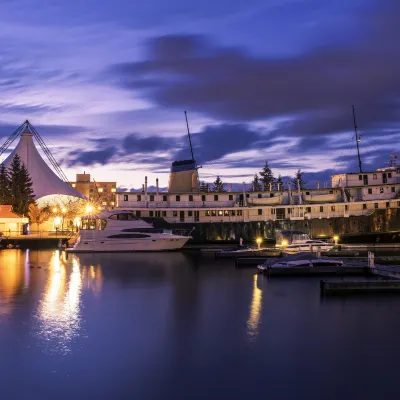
(292, 242)
(114, 231)
(242, 251)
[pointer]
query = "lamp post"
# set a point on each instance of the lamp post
(259, 241)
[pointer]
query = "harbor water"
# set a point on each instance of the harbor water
(185, 326)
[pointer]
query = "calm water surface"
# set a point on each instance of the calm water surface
(182, 326)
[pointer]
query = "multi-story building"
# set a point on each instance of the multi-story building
(102, 193)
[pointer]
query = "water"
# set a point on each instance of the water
(182, 326)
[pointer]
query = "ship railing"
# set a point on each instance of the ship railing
(177, 204)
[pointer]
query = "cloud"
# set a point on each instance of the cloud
(84, 158)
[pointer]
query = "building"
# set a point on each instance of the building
(11, 224)
(101, 193)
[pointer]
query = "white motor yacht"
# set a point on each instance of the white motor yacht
(292, 242)
(113, 231)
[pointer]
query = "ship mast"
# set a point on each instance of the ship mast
(190, 139)
(358, 139)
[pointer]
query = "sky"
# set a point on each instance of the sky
(106, 85)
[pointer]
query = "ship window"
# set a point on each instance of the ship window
(215, 197)
(387, 204)
(376, 205)
(233, 213)
(152, 197)
(139, 197)
(393, 189)
(369, 191)
(203, 197)
(230, 197)
(273, 211)
(128, 236)
(239, 213)
(190, 213)
(190, 197)
(360, 177)
(331, 192)
(88, 223)
(332, 208)
(374, 176)
(138, 213)
(308, 209)
(389, 175)
(164, 213)
(151, 213)
(307, 193)
(247, 195)
(213, 213)
(125, 197)
(398, 204)
(226, 213)
(178, 198)
(259, 211)
(220, 213)
(259, 195)
(346, 208)
(164, 198)
(271, 195)
(364, 206)
(122, 217)
(380, 190)
(208, 213)
(321, 208)
(175, 213)
(289, 210)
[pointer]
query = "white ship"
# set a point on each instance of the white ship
(113, 231)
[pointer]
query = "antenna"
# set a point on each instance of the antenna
(358, 139)
(190, 139)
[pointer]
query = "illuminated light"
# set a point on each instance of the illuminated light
(63, 210)
(77, 221)
(113, 190)
(336, 238)
(285, 242)
(89, 208)
(100, 190)
(54, 210)
(57, 221)
(73, 185)
(99, 207)
(259, 241)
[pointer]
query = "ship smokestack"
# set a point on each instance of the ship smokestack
(157, 189)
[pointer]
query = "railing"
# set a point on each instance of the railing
(175, 204)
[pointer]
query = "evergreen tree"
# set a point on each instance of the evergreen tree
(298, 180)
(279, 182)
(256, 187)
(21, 186)
(218, 185)
(5, 191)
(267, 176)
(203, 187)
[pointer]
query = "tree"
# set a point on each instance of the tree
(279, 182)
(38, 215)
(218, 185)
(203, 187)
(5, 190)
(256, 187)
(267, 176)
(298, 182)
(20, 186)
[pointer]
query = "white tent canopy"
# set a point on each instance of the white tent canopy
(44, 181)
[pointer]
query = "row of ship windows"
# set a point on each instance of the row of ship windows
(382, 190)
(203, 197)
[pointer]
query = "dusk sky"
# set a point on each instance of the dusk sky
(106, 84)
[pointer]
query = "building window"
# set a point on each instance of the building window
(113, 190)
(220, 213)
(125, 197)
(203, 197)
(215, 197)
(369, 191)
(139, 197)
(112, 203)
(332, 208)
(380, 190)
(164, 213)
(321, 208)
(393, 189)
(190, 197)
(175, 213)
(308, 209)
(376, 205)
(259, 211)
(73, 185)
(398, 204)
(100, 190)
(91, 190)
(152, 197)
(164, 198)
(190, 213)
(259, 195)
(239, 213)
(105, 190)
(151, 213)
(231, 197)
(387, 204)
(138, 213)
(364, 206)
(213, 213)
(389, 175)
(208, 213)
(104, 203)
(374, 176)
(360, 177)
(178, 198)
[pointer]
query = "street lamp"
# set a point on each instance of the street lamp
(259, 241)
(336, 239)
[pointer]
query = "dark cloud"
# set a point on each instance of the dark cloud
(91, 157)
(315, 89)
(133, 143)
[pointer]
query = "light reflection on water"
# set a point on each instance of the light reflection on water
(255, 309)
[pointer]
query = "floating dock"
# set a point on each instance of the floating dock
(365, 286)
(343, 270)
